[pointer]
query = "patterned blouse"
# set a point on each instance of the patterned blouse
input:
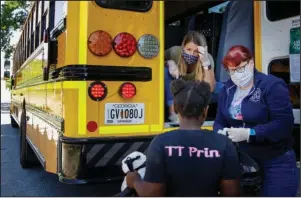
(235, 107)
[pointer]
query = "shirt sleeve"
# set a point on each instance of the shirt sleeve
(155, 170)
(231, 166)
(281, 115)
(220, 121)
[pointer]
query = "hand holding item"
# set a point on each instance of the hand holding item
(239, 134)
(131, 177)
(203, 53)
(173, 69)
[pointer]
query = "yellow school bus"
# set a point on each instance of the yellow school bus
(88, 80)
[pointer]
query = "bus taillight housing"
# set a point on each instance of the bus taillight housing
(125, 44)
(127, 90)
(100, 43)
(97, 91)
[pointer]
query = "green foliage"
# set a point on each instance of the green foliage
(13, 16)
(7, 83)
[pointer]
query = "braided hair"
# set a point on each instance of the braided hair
(190, 97)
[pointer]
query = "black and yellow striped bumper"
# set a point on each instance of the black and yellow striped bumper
(97, 160)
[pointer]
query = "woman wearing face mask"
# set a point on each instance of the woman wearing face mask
(193, 64)
(255, 111)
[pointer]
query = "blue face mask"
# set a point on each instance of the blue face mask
(189, 59)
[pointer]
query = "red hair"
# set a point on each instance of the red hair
(236, 55)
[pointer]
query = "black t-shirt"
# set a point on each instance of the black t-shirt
(191, 162)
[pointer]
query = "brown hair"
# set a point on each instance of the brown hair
(200, 40)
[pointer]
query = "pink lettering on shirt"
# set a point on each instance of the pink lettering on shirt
(193, 152)
(179, 148)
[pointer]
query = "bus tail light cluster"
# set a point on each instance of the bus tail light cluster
(100, 43)
(124, 44)
(127, 90)
(97, 91)
(148, 46)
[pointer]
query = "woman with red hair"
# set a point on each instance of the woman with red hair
(255, 111)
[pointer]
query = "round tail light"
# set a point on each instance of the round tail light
(124, 44)
(148, 46)
(127, 90)
(100, 43)
(97, 91)
(92, 126)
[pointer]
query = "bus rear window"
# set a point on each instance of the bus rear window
(131, 5)
(278, 10)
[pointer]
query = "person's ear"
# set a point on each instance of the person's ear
(252, 64)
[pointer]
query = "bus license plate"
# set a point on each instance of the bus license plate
(124, 113)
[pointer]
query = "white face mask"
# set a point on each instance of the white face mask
(244, 78)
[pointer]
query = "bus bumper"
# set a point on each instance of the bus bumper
(95, 160)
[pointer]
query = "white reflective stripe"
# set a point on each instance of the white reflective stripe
(104, 160)
(95, 149)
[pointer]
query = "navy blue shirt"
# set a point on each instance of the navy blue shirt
(267, 109)
(191, 163)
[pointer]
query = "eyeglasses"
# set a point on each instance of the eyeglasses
(238, 70)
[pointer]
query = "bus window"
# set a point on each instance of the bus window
(140, 6)
(60, 12)
(280, 68)
(6, 74)
(278, 10)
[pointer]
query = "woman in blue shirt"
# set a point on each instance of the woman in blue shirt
(254, 110)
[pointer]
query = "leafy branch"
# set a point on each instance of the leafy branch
(13, 16)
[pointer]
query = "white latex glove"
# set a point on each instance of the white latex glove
(204, 58)
(173, 69)
(223, 132)
(173, 117)
(239, 134)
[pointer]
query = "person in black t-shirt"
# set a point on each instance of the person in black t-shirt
(189, 161)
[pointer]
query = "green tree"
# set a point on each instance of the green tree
(13, 16)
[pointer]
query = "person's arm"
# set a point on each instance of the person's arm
(280, 113)
(230, 178)
(207, 61)
(153, 183)
(220, 121)
(209, 78)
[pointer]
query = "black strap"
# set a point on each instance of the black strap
(129, 162)
(237, 149)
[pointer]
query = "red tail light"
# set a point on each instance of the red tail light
(125, 44)
(92, 126)
(127, 90)
(97, 91)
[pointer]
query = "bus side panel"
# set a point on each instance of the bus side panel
(272, 55)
